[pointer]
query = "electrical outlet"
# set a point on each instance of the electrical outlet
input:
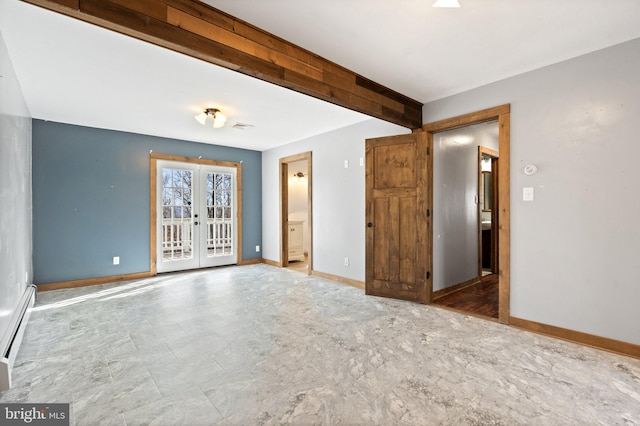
(346, 261)
(116, 260)
(346, 164)
(361, 161)
(257, 248)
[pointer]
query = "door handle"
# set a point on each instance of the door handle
(195, 223)
(369, 225)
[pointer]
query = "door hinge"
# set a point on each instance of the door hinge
(428, 274)
(428, 213)
(428, 151)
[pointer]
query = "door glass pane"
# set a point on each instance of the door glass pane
(177, 214)
(219, 221)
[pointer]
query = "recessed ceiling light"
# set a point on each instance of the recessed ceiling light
(446, 3)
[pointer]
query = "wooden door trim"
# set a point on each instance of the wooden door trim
(502, 114)
(284, 208)
(153, 220)
(424, 209)
(477, 117)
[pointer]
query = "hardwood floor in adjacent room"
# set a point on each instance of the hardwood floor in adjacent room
(300, 266)
(479, 299)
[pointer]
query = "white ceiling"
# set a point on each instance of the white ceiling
(429, 53)
(74, 72)
(77, 73)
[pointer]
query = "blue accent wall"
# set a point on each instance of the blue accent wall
(91, 199)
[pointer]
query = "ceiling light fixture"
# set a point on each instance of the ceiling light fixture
(218, 117)
(446, 3)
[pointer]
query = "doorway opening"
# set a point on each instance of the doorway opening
(487, 211)
(195, 213)
(296, 212)
(461, 191)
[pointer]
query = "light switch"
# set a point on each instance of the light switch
(527, 194)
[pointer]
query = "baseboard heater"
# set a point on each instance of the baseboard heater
(13, 336)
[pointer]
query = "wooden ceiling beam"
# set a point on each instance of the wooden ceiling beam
(198, 30)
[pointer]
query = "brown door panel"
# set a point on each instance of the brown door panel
(396, 171)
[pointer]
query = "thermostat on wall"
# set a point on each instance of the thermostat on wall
(530, 169)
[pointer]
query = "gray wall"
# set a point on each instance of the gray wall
(338, 196)
(575, 248)
(15, 191)
(91, 199)
(455, 212)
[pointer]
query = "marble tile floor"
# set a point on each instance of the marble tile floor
(259, 345)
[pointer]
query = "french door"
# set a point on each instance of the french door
(197, 216)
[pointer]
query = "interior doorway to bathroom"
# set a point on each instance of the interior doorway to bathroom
(296, 212)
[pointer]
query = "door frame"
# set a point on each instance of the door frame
(153, 213)
(502, 114)
(284, 207)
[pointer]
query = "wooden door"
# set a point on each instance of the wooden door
(398, 242)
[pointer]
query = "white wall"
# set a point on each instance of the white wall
(338, 196)
(575, 248)
(455, 212)
(15, 191)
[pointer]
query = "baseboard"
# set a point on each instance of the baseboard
(10, 342)
(604, 343)
(93, 281)
(446, 291)
(343, 280)
(117, 278)
(250, 261)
